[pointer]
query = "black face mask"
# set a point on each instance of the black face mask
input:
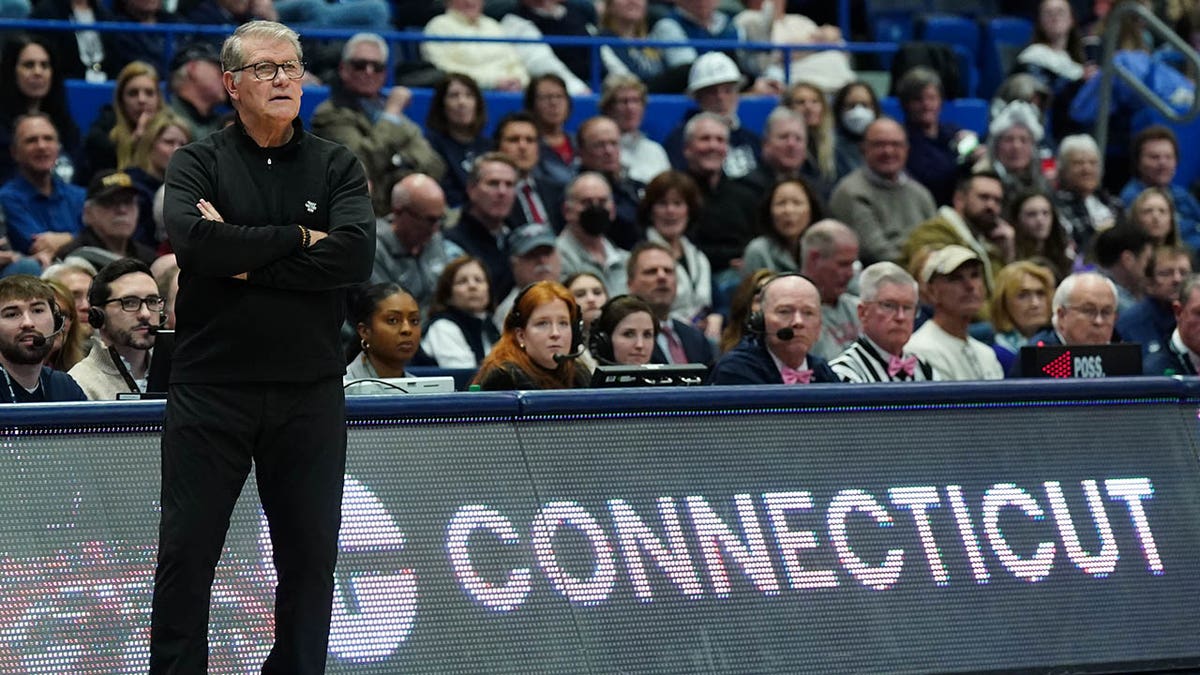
(595, 221)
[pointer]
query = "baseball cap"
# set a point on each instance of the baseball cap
(195, 51)
(107, 184)
(528, 237)
(947, 259)
(713, 68)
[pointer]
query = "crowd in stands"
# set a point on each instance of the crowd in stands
(833, 244)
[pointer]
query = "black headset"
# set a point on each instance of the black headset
(756, 323)
(600, 340)
(515, 320)
(59, 319)
(103, 279)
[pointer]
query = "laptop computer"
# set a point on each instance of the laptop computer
(650, 375)
(1081, 361)
(392, 386)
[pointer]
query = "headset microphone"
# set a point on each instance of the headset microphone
(40, 340)
(785, 334)
(562, 358)
(162, 324)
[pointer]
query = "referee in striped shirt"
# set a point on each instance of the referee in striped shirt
(887, 309)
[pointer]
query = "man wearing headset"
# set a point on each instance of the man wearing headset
(126, 310)
(28, 320)
(787, 326)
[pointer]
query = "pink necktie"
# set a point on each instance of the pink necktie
(795, 376)
(674, 345)
(908, 364)
(535, 213)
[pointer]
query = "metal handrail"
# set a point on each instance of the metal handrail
(1112, 69)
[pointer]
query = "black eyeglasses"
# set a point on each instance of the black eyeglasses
(367, 64)
(132, 303)
(267, 70)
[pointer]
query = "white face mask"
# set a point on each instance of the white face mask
(857, 118)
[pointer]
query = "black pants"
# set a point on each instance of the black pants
(296, 436)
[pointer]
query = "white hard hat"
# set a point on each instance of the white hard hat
(713, 68)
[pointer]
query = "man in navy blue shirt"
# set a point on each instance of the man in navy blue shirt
(28, 321)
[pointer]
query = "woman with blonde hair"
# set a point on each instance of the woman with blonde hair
(1020, 307)
(165, 133)
(809, 100)
(136, 100)
(542, 327)
(69, 346)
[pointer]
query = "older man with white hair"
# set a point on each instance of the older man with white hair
(1084, 206)
(1083, 312)
(886, 310)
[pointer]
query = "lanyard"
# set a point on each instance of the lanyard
(120, 365)
(12, 393)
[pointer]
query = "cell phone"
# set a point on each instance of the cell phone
(1091, 49)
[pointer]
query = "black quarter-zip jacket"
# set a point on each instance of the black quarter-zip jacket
(281, 324)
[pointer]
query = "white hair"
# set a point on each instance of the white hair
(1063, 293)
(359, 38)
(880, 274)
(1078, 143)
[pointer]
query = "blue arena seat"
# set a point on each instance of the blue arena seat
(663, 112)
(1003, 38)
(962, 35)
(953, 30)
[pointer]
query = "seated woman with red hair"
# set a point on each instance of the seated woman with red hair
(543, 327)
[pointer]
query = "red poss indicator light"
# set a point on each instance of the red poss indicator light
(1059, 367)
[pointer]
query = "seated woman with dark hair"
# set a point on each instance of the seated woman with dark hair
(460, 330)
(625, 332)
(454, 128)
(543, 324)
(388, 322)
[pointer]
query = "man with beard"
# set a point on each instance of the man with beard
(651, 272)
(110, 218)
(533, 257)
(974, 222)
(126, 309)
(584, 245)
(27, 320)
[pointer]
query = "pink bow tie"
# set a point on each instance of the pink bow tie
(796, 376)
(908, 364)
